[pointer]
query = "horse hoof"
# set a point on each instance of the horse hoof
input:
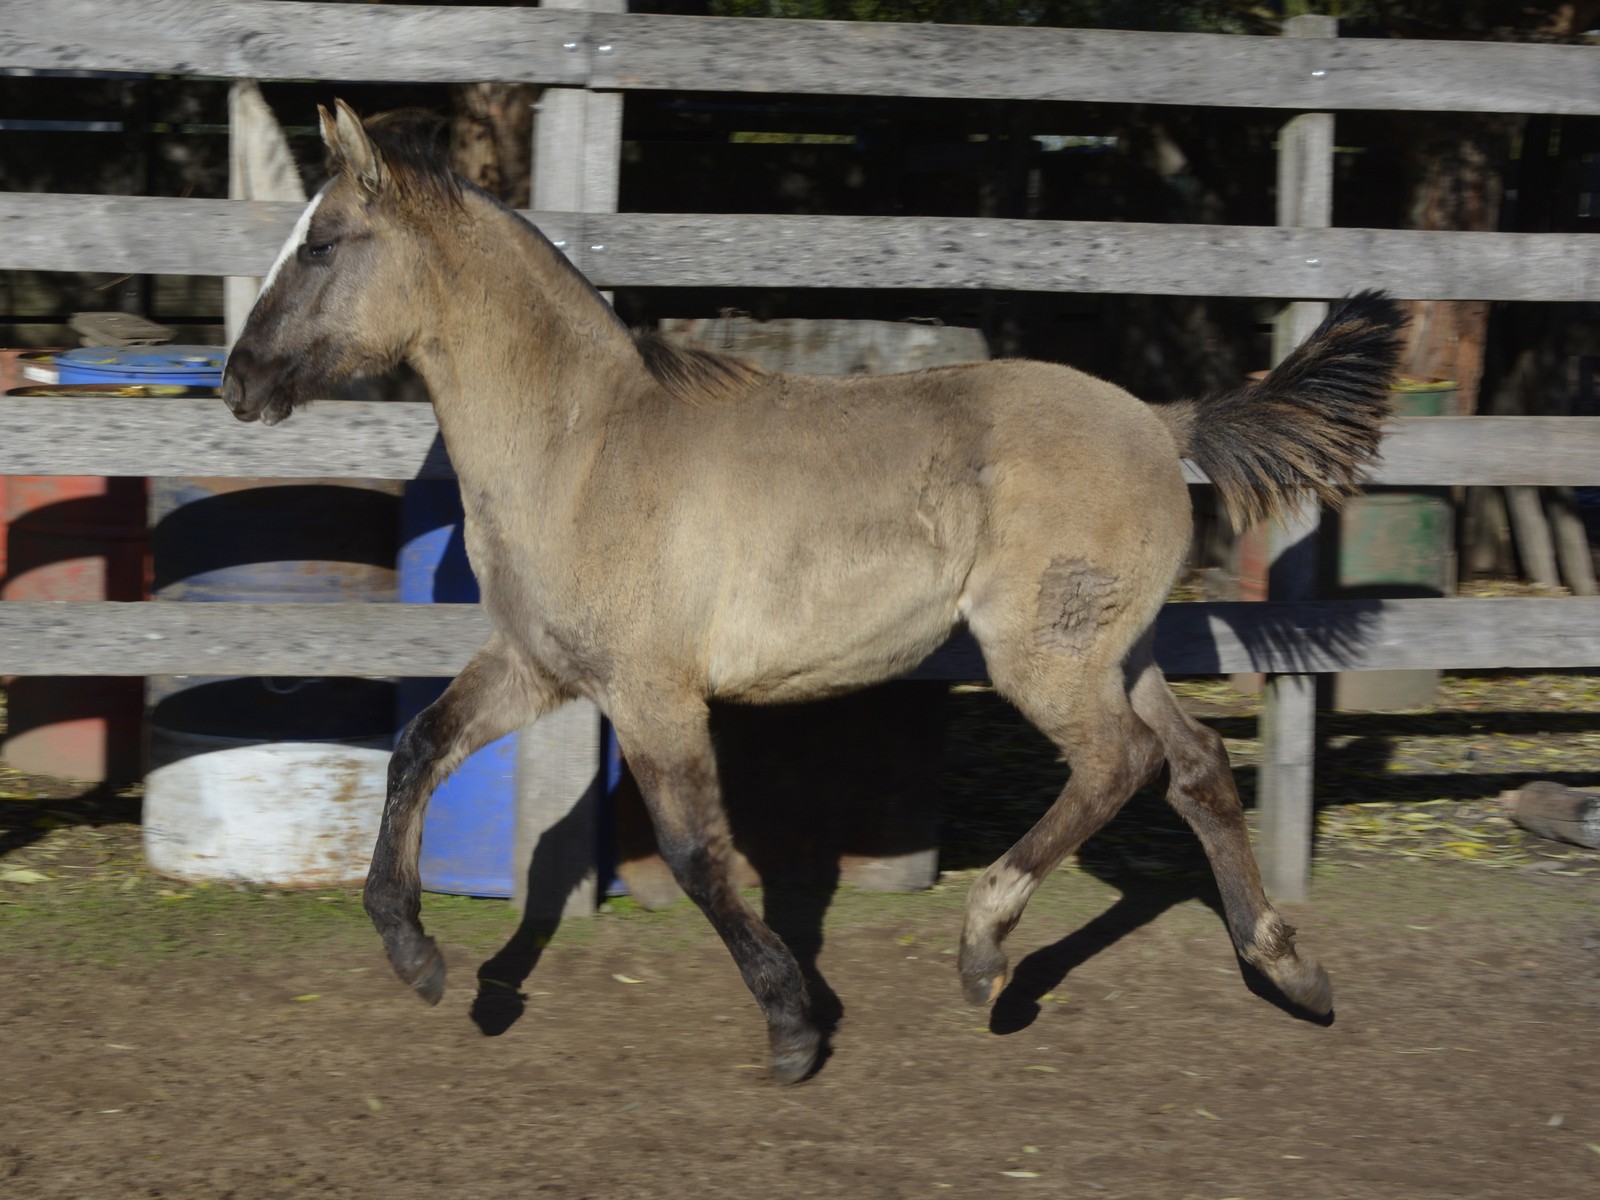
(1312, 990)
(983, 989)
(428, 979)
(791, 1066)
(1304, 984)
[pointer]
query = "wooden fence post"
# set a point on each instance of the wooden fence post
(577, 153)
(1288, 712)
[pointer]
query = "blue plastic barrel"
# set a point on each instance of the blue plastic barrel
(197, 366)
(469, 834)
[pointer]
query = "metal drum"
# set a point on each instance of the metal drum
(269, 781)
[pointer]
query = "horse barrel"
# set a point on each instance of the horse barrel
(269, 781)
(468, 834)
(863, 767)
(78, 537)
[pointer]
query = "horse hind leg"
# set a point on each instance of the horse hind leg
(1083, 707)
(1201, 788)
(669, 750)
(490, 698)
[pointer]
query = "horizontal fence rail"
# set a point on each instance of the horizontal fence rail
(151, 235)
(610, 51)
(366, 439)
(106, 638)
(1312, 72)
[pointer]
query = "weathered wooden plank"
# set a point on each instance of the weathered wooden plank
(56, 638)
(253, 38)
(1109, 66)
(660, 250)
(343, 439)
(266, 39)
(223, 237)
(100, 638)
(376, 440)
(1490, 451)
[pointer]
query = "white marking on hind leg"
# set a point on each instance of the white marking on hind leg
(997, 900)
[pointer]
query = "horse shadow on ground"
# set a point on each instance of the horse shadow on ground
(816, 794)
(819, 794)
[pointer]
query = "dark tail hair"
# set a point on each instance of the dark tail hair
(1310, 427)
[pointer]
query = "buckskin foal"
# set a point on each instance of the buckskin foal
(655, 527)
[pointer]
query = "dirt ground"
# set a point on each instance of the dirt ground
(167, 1040)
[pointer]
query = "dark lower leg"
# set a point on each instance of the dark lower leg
(486, 701)
(677, 776)
(1203, 792)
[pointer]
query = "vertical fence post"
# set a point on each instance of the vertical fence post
(1288, 712)
(577, 138)
(577, 154)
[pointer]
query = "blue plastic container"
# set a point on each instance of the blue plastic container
(195, 366)
(468, 838)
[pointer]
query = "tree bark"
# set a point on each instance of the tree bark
(1457, 183)
(491, 137)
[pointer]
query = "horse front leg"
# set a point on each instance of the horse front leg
(494, 695)
(668, 748)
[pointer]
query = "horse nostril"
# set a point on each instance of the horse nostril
(233, 395)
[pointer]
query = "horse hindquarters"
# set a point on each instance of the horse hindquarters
(1094, 530)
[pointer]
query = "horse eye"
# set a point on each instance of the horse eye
(320, 250)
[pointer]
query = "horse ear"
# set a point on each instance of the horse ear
(350, 148)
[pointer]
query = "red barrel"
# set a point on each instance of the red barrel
(70, 537)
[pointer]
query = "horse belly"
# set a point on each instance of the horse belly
(815, 638)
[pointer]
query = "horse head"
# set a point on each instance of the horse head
(341, 299)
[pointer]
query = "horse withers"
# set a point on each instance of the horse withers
(656, 527)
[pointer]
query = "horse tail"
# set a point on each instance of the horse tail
(1311, 427)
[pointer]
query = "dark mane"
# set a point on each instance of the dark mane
(412, 144)
(688, 372)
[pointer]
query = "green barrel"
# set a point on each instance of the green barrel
(1393, 543)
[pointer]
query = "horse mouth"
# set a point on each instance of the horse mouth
(270, 413)
(245, 408)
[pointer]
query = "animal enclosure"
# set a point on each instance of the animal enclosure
(586, 58)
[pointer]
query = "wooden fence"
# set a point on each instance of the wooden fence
(585, 57)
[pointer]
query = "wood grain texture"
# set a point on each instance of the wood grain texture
(344, 439)
(280, 40)
(253, 38)
(1553, 811)
(103, 637)
(157, 235)
(376, 440)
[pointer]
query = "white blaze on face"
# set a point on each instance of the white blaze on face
(301, 227)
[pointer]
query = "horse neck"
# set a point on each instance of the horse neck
(521, 356)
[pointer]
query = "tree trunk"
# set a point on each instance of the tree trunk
(1457, 183)
(491, 137)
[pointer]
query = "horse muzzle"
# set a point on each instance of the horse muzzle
(235, 397)
(248, 391)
